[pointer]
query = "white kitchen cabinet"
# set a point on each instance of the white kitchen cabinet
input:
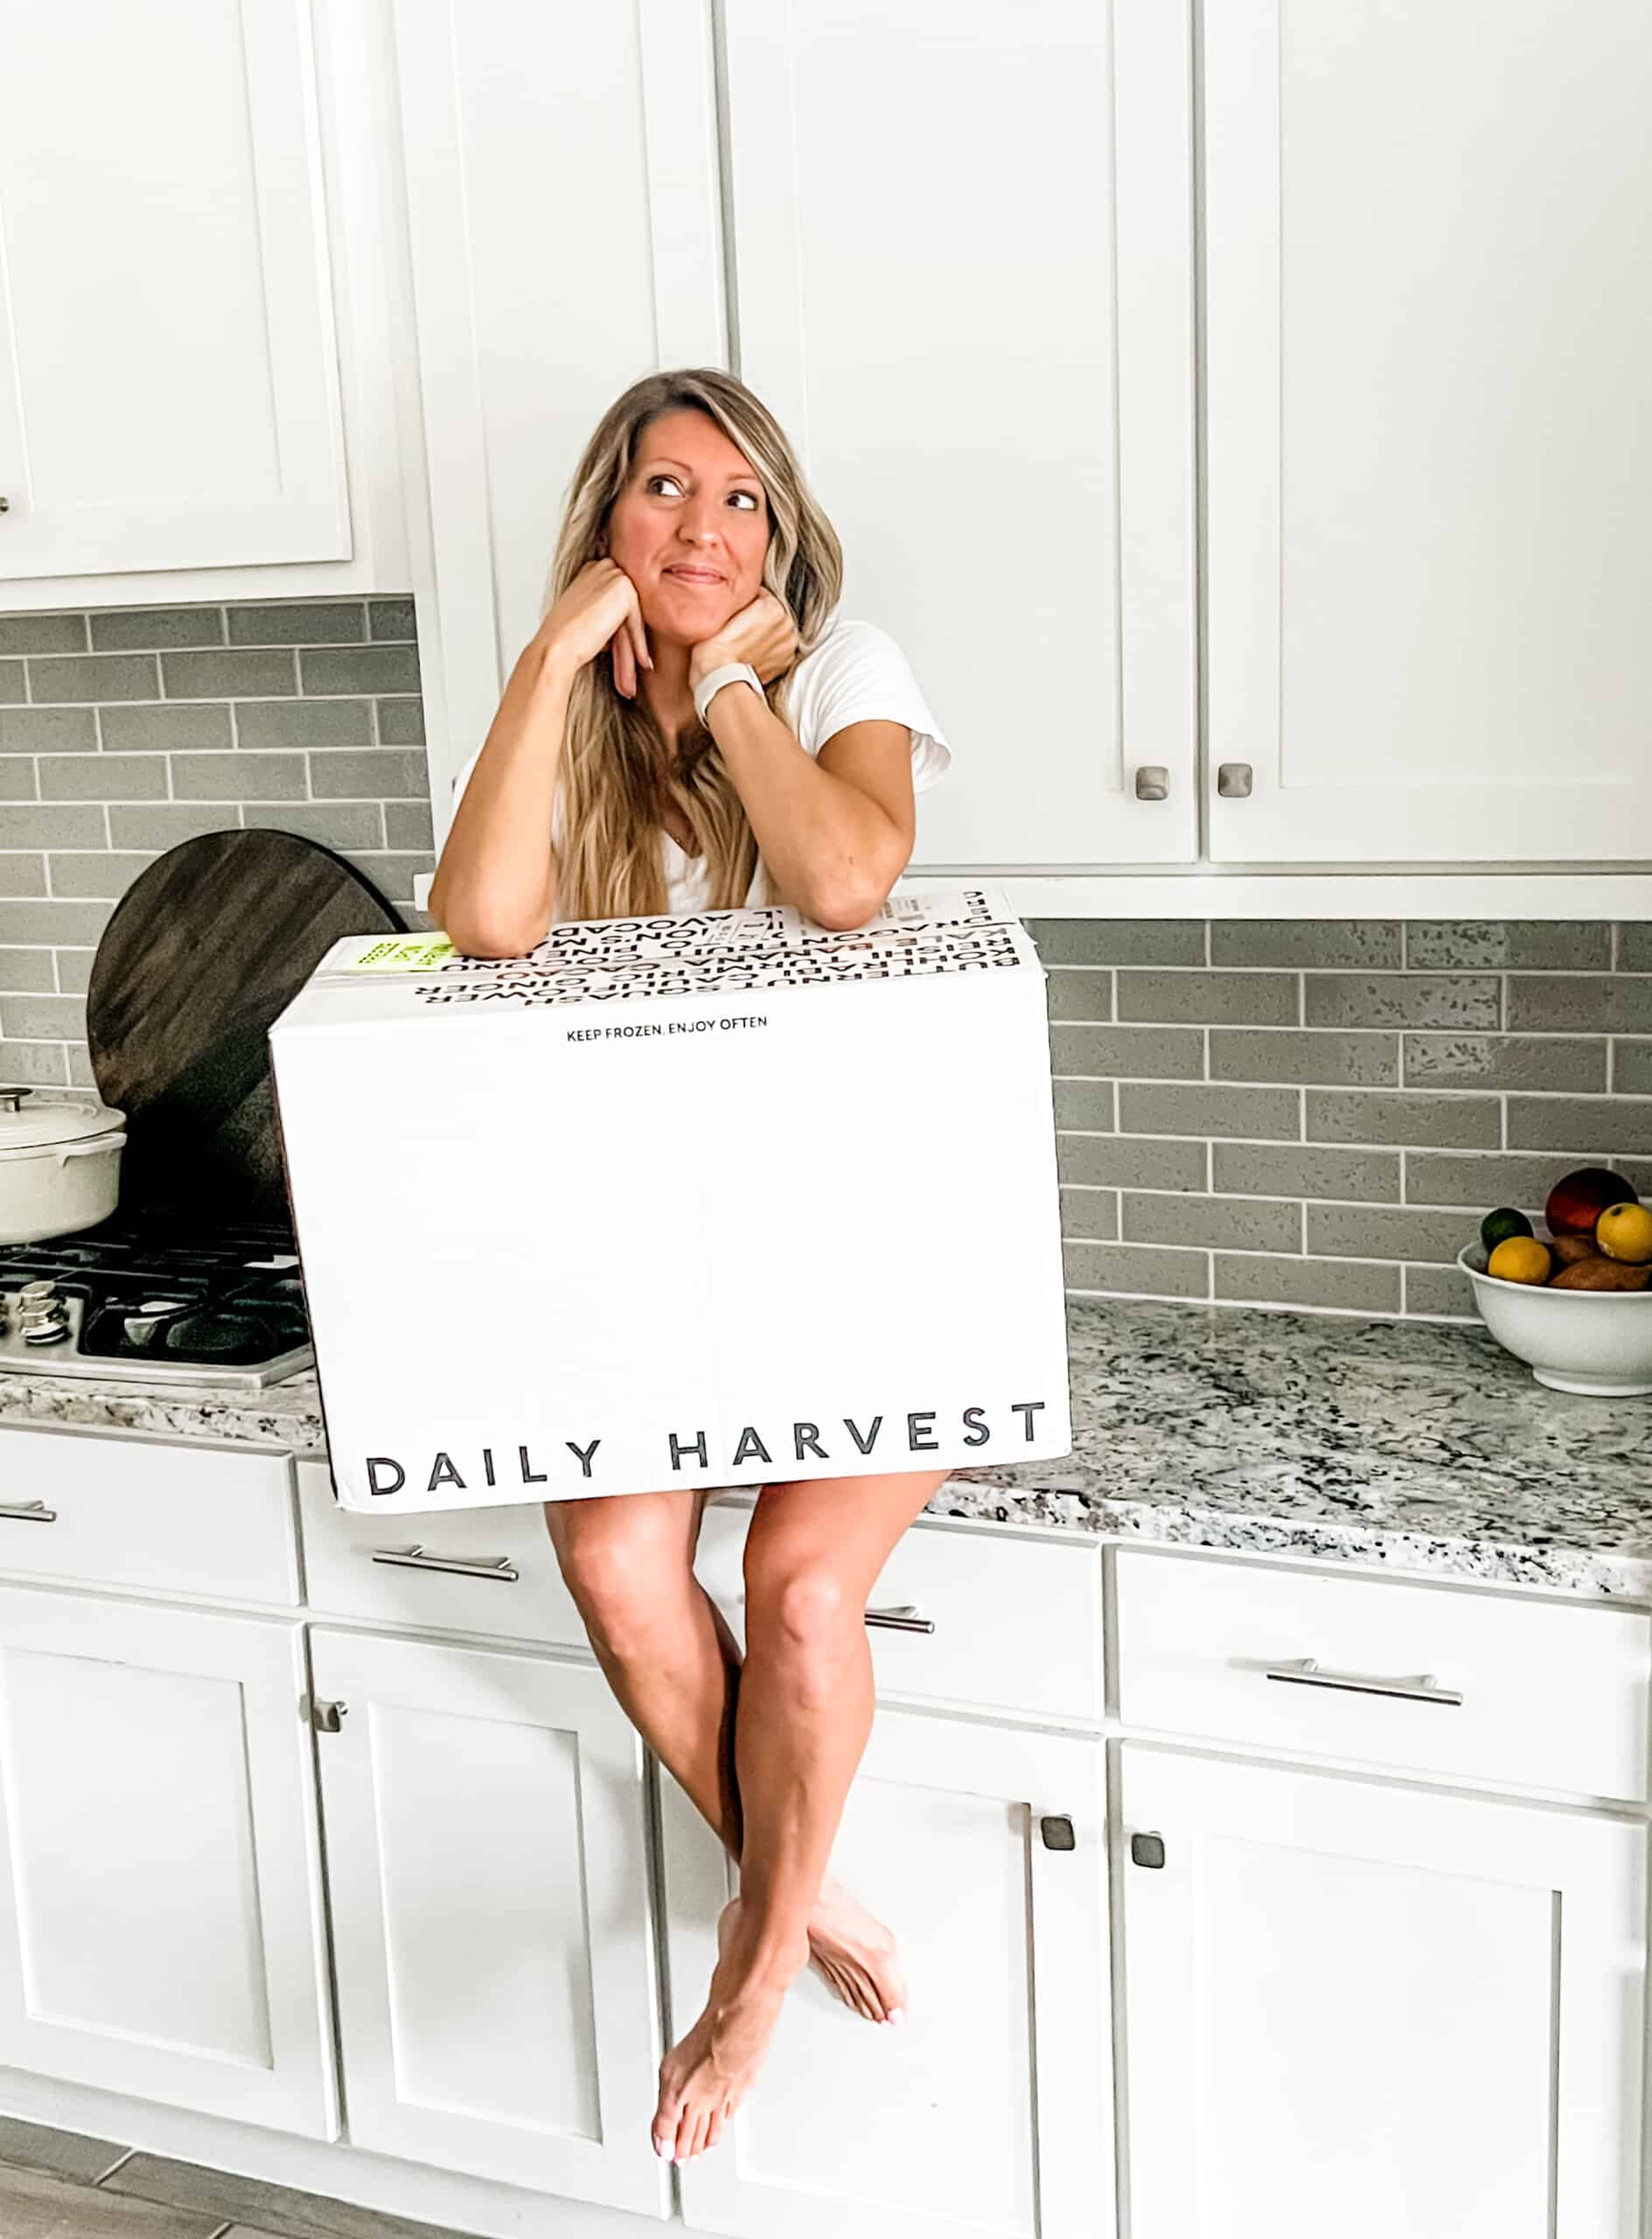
(1428, 473)
(972, 308)
(1356, 2007)
(562, 192)
(989, 2109)
(161, 1929)
(973, 318)
(196, 375)
(493, 1938)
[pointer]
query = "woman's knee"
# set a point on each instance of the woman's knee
(797, 1601)
(628, 1562)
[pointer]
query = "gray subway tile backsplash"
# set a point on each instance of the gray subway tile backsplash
(1305, 1114)
(125, 730)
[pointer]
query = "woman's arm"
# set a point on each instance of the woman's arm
(835, 832)
(494, 892)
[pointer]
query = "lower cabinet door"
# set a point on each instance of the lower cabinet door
(492, 1933)
(1370, 2011)
(990, 2107)
(161, 1920)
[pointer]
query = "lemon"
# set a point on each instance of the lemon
(1520, 1259)
(1625, 1232)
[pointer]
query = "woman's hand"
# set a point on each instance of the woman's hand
(599, 607)
(762, 634)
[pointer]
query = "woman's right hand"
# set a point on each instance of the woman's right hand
(598, 608)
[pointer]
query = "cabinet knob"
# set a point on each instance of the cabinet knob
(1233, 780)
(1146, 1850)
(1153, 781)
(327, 1718)
(1057, 1832)
(6, 504)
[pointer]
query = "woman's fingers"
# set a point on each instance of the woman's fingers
(639, 635)
(625, 664)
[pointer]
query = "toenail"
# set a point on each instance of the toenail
(898, 2013)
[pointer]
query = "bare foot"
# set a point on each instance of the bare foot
(853, 1954)
(707, 2074)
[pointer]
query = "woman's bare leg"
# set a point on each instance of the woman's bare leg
(674, 1668)
(814, 1553)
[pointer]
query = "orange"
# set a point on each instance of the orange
(1520, 1259)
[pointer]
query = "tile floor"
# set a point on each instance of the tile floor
(55, 2185)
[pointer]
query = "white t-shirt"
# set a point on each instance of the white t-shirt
(856, 673)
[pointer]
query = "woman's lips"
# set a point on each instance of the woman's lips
(695, 574)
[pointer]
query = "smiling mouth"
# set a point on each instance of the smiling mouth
(693, 576)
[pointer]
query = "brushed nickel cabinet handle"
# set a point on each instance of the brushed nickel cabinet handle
(327, 1718)
(1153, 781)
(901, 1618)
(1233, 780)
(29, 1511)
(415, 1558)
(1305, 1673)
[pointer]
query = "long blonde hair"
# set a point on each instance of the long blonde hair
(616, 773)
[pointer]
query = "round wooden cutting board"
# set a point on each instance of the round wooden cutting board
(206, 948)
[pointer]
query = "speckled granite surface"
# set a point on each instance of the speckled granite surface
(1405, 1445)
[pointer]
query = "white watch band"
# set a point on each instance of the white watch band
(730, 673)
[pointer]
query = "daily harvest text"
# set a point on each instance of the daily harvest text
(692, 1452)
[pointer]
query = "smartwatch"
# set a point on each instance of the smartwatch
(730, 673)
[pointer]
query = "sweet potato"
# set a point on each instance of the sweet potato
(1601, 1274)
(1566, 1249)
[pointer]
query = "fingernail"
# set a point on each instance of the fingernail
(897, 2014)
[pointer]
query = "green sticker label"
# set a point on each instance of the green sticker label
(409, 953)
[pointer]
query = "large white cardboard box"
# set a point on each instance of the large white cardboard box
(721, 1200)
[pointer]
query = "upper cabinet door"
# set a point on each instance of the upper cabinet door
(562, 202)
(1429, 463)
(168, 388)
(962, 270)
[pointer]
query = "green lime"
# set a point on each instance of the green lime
(1505, 1222)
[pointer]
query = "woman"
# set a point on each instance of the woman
(691, 543)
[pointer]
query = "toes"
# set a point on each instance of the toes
(714, 2127)
(668, 2114)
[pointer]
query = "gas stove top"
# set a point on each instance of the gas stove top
(141, 1301)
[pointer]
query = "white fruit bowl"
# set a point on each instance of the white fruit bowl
(1597, 1341)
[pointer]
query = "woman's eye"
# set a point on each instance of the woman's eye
(748, 495)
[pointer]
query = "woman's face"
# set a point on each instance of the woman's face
(693, 504)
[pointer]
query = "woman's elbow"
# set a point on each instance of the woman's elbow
(853, 897)
(485, 937)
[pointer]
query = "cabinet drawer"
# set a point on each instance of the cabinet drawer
(1551, 1697)
(113, 1509)
(1016, 1618)
(479, 1570)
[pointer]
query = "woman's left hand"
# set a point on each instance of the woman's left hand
(762, 634)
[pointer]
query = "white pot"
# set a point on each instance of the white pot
(59, 1163)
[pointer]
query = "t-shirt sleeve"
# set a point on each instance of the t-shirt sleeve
(463, 779)
(859, 674)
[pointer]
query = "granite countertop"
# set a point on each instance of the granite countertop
(1408, 1446)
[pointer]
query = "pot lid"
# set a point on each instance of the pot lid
(30, 1121)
